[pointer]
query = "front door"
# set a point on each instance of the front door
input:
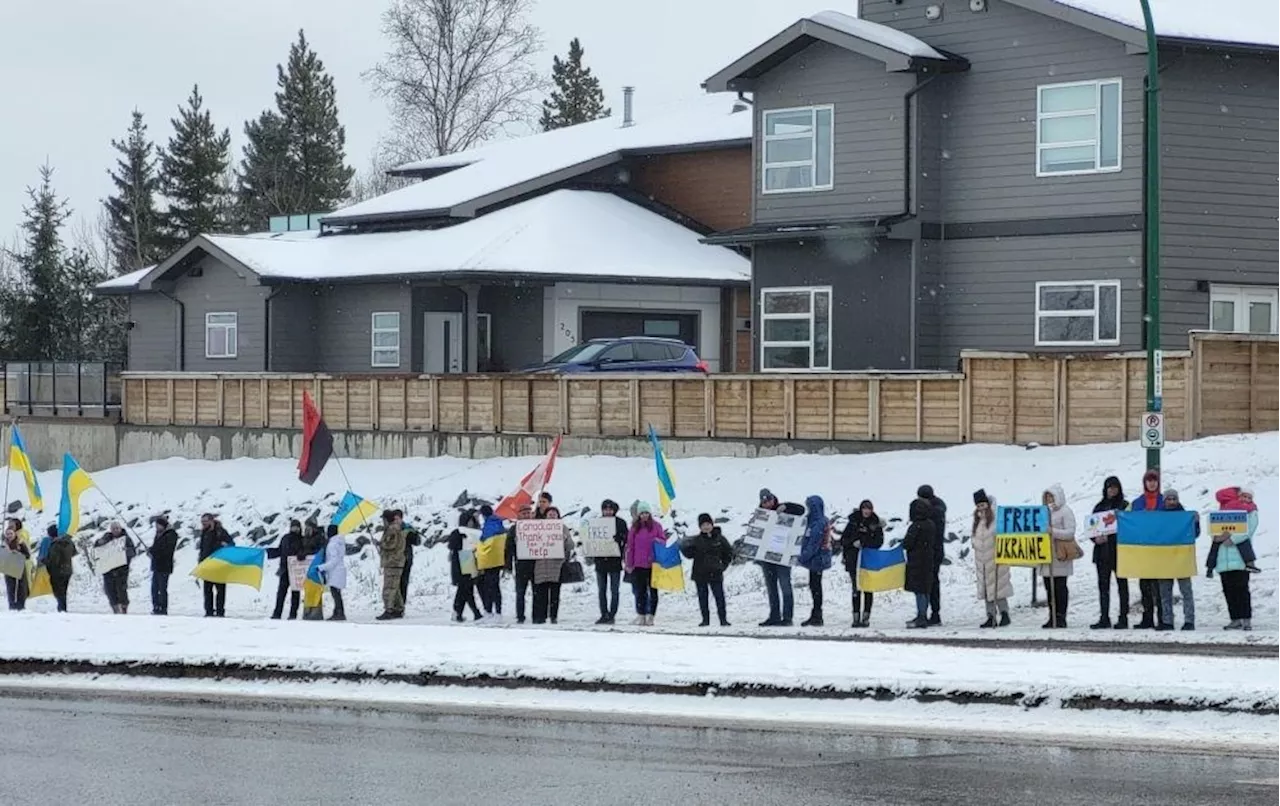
(442, 343)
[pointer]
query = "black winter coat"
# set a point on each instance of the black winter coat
(919, 542)
(711, 553)
(290, 545)
(938, 514)
(212, 539)
(523, 568)
(455, 544)
(162, 549)
(614, 564)
(868, 533)
(1104, 554)
(411, 539)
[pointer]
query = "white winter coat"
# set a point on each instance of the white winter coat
(993, 580)
(335, 562)
(1062, 527)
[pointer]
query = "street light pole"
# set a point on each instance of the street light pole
(1155, 381)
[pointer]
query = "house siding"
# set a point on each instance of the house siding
(153, 336)
(344, 325)
(221, 289)
(712, 188)
(293, 331)
(516, 326)
(868, 124)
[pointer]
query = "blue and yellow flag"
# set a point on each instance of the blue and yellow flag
(353, 511)
(1158, 544)
(313, 585)
(235, 565)
(882, 570)
(74, 482)
(491, 547)
(666, 479)
(667, 572)
(20, 461)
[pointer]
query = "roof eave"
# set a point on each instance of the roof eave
(514, 276)
(198, 243)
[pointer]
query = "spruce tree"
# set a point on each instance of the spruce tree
(132, 219)
(577, 97)
(264, 181)
(35, 322)
(193, 174)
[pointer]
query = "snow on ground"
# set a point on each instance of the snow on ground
(246, 491)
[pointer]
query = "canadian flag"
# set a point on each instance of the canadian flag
(530, 486)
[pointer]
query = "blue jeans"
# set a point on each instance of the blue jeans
(922, 606)
(160, 593)
(777, 584)
(607, 583)
(1188, 601)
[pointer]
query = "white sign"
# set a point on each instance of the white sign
(1151, 430)
(1158, 374)
(597, 538)
(13, 564)
(1099, 526)
(540, 540)
(297, 571)
(109, 557)
(773, 537)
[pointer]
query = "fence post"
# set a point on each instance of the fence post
(920, 410)
(80, 391)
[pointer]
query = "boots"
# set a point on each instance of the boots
(857, 619)
(1236, 624)
(1122, 623)
(1004, 619)
(866, 619)
(814, 620)
(1103, 623)
(988, 624)
(918, 623)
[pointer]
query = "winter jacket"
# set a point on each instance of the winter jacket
(640, 542)
(1229, 558)
(411, 539)
(1104, 554)
(334, 566)
(212, 539)
(860, 533)
(815, 549)
(523, 568)
(162, 549)
(993, 580)
(919, 545)
(290, 545)
(130, 551)
(614, 564)
(1062, 528)
(58, 561)
(391, 552)
(455, 544)
(549, 570)
(711, 554)
(938, 514)
(312, 542)
(1143, 503)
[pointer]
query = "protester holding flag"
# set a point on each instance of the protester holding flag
(1173, 503)
(461, 577)
(1062, 529)
(994, 583)
(1229, 560)
(163, 546)
(391, 557)
(115, 581)
(919, 546)
(523, 569)
(212, 538)
(1149, 589)
(864, 530)
(609, 569)
(645, 531)
(289, 548)
(546, 578)
(712, 555)
(1104, 558)
(491, 559)
(333, 570)
(16, 588)
(58, 562)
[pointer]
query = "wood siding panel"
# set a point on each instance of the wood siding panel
(711, 187)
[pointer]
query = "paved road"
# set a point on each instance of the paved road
(148, 752)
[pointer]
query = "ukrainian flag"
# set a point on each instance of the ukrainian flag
(74, 482)
(313, 585)
(236, 565)
(491, 547)
(882, 570)
(666, 480)
(20, 460)
(667, 572)
(1157, 544)
(353, 511)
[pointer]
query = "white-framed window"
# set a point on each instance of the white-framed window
(1078, 128)
(797, 149)
(220, 335)
(795, 329)
(1243, 308)
(1074, 314)
(384, 339)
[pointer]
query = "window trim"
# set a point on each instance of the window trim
(812, 162)
(1240, 296)
(812, 342)
(1097, 139)
(1096, 341)
(374, 349)
(232, 328)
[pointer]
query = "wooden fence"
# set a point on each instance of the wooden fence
(1223, 384)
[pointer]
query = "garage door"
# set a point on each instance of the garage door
(614, 324)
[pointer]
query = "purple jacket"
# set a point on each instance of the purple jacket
(640, 542)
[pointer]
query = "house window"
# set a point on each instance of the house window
(795, 331)
(385, 339)
(1078, 128)
(220, 335)
(797, 149)
(1243, 309)
(1077, 314)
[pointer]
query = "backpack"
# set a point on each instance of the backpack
(59, 560)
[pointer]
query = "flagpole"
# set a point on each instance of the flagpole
(338, 461)
(119, 515)
(8, 454)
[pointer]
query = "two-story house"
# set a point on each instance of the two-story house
(935, 175)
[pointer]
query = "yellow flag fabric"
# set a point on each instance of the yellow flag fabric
(41, 585)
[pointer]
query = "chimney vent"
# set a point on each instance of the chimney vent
(628, 96)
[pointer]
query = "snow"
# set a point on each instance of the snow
(125, 281)
(710, 119)
(1249, 22)
(877, 34)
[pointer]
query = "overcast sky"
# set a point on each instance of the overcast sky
(72, 70)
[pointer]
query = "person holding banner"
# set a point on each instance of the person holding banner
(290, 546)
(115, 580)
(58, 562)
(919, 545)
(522, 568)
(1149, 589)
(163, 546)
(1240, 499)
(334, 570)
(212, 538)
(1104, 560)
(777, 578)
(1062, 530)
(1228, 558)
(995, 586)
(645, 531)
(609, 569)
(1172, 502)
(463, 579)
(864, 530)
(546, 576)
(17, 587)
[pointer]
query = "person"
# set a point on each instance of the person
(1149, 589)
(815, 554)
(333, 570)
(1243, 501)
(16, 588)
(465, 595)
(864, 530)
(1173, 502)
(1062, 530)
(290, 547)
(546, 577)
(212, 538)
(1229, 560)
(391, 557)
(58, 562)
(938, 509)
(995, 586)
(490, 584)
(523, 569)
(919, 546)
(638, 562)
(777, 578)
(163, 545)
(1104, 560)
(411, 538)
(712, 555)
(115, 581)
(544, 504)
(609, 569)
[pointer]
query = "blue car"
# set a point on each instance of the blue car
(627, 354)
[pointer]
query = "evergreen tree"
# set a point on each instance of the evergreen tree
(35, 324)
(133, 221)
(193, 174)
(264, 182)
(577, 97)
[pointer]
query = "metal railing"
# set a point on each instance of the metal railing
(61, 388)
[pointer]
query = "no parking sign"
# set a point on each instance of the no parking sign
(1151, 430)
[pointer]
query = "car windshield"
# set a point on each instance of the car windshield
(581, 353)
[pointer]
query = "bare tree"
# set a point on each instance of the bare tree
(456, 73)
(374, 180)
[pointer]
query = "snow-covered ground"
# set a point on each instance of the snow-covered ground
(246, 492)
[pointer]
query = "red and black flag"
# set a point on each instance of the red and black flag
(317, 442)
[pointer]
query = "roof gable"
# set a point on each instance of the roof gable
(1252, 24)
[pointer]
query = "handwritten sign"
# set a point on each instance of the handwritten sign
(1022, 536)
(773, 537)
(109, 557)
(1228, 522)
(597, 538)
(12, 563)
(1099, 526)
(540, 540)
(297, 571)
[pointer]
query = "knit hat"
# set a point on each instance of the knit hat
(52, 531)
(643, 506)
(925, 492)
(608, 503)
(980, 497)
(1171, 494)
(1245, 491)
(766, 495)
(705, 518)
(486, 510)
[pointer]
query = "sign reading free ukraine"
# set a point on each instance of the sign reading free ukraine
(1022, 536)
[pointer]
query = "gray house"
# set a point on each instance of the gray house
(935, 175)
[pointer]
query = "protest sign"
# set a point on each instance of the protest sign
(597, 538)
(773, 537)
(108, 557)
(1228, 522)
(1099, 526)
(540, 540)
(297, 571)
(12, 563)
(1022, 536)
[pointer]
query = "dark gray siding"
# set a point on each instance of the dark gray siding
(153, 335)
(220, 289)
(988, 140)
(871, 295)
(928, 108)
(292, 322)
(868, 133)
(344, 323)
(930, 289)
(431, 298)
(1218, 181)
(516, 316)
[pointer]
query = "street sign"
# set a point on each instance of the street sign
(1158, 364)
(1151, 429)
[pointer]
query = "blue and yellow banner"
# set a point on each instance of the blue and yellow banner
(666, 479)
(74, 482)
(667, 572)
(233, 565)
(20, 461)
(1228, 522)
(1022, 536)
(491, 546)
(1157, 544)
(882, 570)
(313, 583)
(353, 512)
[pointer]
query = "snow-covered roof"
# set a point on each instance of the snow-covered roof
(1245, 22)
(575, 233)
(496, 169)
(877, 34)
(124, 281)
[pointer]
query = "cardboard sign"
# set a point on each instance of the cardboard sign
(1228, 522)
(773, 537)
(597, 538)
(540, 540)
(1099, 526)
(109, 557)
(297, 571)
(467, 563)
(1022, 536)
(12, 563)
